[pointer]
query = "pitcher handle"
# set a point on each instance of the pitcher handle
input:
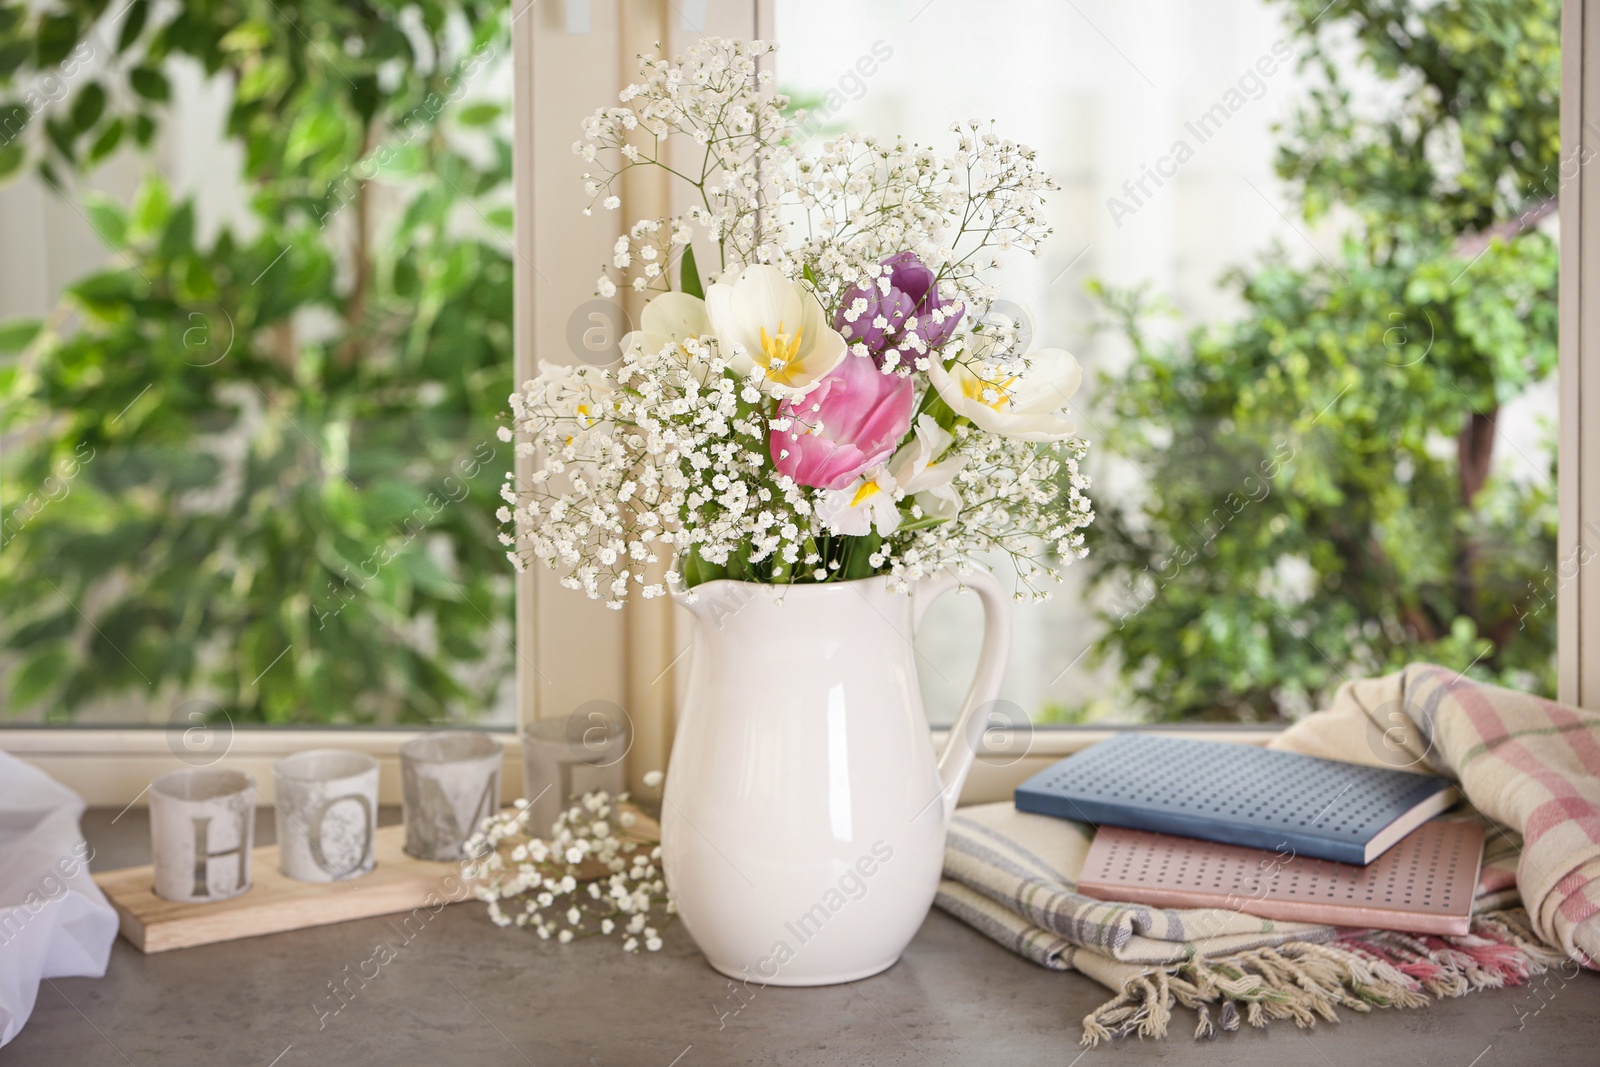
(966, 735)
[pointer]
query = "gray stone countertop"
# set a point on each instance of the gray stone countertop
(464, 993)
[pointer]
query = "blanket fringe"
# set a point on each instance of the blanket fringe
(1305, 981)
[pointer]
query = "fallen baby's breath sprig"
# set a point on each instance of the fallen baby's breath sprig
(597, 873)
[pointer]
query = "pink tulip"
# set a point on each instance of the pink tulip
(858, 413)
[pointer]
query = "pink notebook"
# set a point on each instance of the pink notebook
(1425, 884)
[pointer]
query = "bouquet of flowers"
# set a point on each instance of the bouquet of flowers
(847, 397)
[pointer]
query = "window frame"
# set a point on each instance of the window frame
(568, 651)
(1578, 479)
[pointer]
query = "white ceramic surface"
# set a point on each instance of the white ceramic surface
(804, 817)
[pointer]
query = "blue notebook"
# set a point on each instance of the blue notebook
(1239, 795)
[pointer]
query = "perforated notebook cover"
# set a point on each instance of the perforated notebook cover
(1424, 885)
(1238, 795)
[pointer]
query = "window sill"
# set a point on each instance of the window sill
(113, 765)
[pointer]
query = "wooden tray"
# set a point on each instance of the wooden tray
(276, 903)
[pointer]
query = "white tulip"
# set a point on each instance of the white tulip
(668, 321)
(1026, 407)
(765, 320)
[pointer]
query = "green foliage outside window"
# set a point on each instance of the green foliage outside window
(259, 465)
(1328, 492)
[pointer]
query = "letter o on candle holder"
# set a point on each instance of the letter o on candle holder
(202, 825)
(451, 783)
(327, 802)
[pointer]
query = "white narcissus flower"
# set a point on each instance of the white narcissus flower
(670, 320)
(867, 504)
(582, 394)
(919, 473)
(1024, 407)
(765, 320)
(915, 471)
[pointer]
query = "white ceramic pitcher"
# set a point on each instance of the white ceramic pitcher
(804, 817)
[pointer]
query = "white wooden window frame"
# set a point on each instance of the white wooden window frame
(571, 651)
(1578, 428)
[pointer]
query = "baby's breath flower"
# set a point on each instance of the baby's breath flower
(667, 457)
(541, 877)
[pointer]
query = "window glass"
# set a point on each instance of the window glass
(1306, 255)
(255, 331)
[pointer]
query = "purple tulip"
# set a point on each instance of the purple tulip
(858, 415)
(898, 324)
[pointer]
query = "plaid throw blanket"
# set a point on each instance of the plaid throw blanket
(1530, 768)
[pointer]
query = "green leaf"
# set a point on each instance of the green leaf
(61, 136)
(455, 269)
(89, 106)
(426, 574)
(149, 83)
(689, 274)
(107, 217)
(17, 334)
(857, 556)
(252, 35)
(317, 130)
(39, 675)
(405, 280)
(11, 158)
(57, 36)
(474, 115)
(107, 292)
(151, 206)
(177, 238)
(366, 97)
(13, 54)
(133, 25)
(106, 143)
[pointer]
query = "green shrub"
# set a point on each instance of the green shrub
(1326, 491)
(259, 465)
